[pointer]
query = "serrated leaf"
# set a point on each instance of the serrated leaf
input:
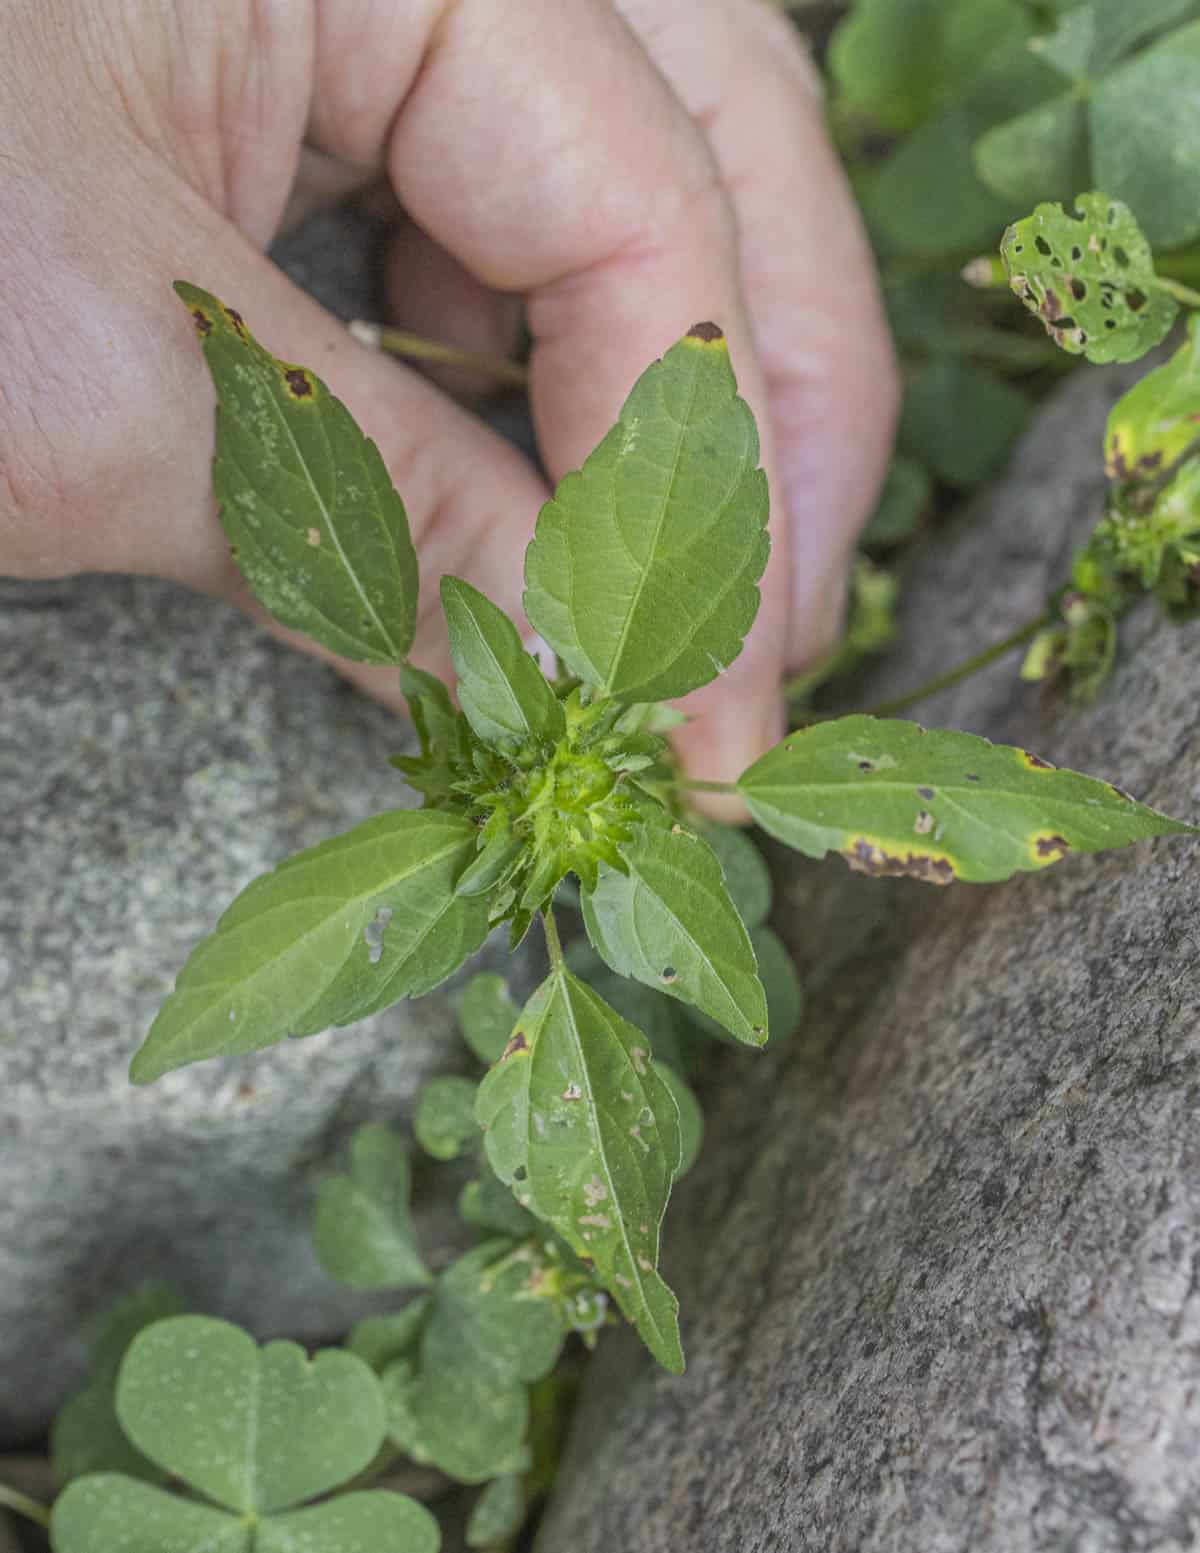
(315, 524)
(330, 936)
(254, 1429)
(86, 1435)
(1090, 278)
(654, 1014)
(747, 877)
(1158, 420)
(463, 1405)
(444, 1124)
(670, 924)
(643, 571)
(498, 1513)
(379, 1340)
(370, 1522)
(486, 1016)
(364, 1234)
(894, 799)
(500, 687)
(105, 1511)
(591, 1131)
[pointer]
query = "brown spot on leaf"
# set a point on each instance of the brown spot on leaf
(298, 382)
(238, 322)
(923, 823)
(1052, 846)
(972, 776)
(1036, 761)
(314, 536)
(706, 332)
(865, 857)
(926, 793)
(516, 1043)
(203, 323)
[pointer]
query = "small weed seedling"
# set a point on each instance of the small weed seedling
(642, 577)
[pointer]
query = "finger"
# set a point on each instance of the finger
(600, 203)
(809, 277)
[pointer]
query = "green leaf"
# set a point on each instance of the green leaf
(488, 1205)
(314, 522)
(577, 1117)
(653, 1013)
(906, 498)
(444, 735)
(670, 924)
(444, 1123)
(498, 1513)
(463, 1406)
(1091, 37)
(371, 1522)
(1089, 278)
(643, 571)
(1043, 154)
(86, 1436)
(500, 687)
(747, 877)
(897, 61)
(961, 420)
(895, 799)
(105, 1511)
(691, 1117)
(1158, 420)
(781, 981)
(255, 1429)
(378, 1340)
(330, 936)
(1146, 138)
(486, 1016)
(364, 1233)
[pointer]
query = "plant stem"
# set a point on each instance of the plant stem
(553, 943)
(709, 787)
(1175, 288)
(960, 671)
(415, 347)
(12, 1499)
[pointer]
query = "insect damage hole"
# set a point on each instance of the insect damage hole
(373, 934)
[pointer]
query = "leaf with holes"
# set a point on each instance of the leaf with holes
(578, 1121)
(257, 1430)
(330, 936)
(315, 524)
(500, 687)
(1090, 278)
(894, 799)
(364, 1232)
(670, 924)
(643, 571)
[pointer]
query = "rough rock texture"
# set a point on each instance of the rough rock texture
(157, 753)
(940, 1264)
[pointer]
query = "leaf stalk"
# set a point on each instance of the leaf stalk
(13, 1499)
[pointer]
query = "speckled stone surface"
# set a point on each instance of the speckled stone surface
(940, 1264)
(157, 753)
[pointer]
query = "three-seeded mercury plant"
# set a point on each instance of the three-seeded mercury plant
(642, 577)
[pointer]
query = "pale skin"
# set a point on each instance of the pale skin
(618, 170)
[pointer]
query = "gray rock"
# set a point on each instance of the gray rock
(940, 1264)
(165, 753)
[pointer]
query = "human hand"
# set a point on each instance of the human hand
(624, 167)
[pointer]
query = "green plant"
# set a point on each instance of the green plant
(642, 577)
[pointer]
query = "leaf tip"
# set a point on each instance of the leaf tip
(706, 333)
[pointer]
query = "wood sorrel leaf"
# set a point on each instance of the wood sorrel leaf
(105, 1511)
(256, 1429)
(378, 1340)
(895, 799)
(579, 1123)
(331, 935)
(314, 522)
(486, 1016)
(643, 571)
(498, 1512)
(364, 1233)
(444, 1124)
(747, 877)
(669, 923)
(1089, 278)
(1156, 422)
(375, 1521)
(500, 687)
